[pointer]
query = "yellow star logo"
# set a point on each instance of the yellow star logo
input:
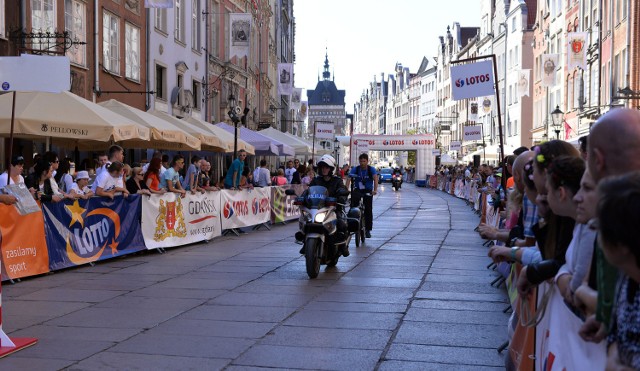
(76, 213)
(114, 247)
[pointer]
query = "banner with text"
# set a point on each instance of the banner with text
(362, 146)
(245, 208)
(282, 207)
(240, 35)
(455, 146)
(22, 243)
(324, 131)
(169, 220)
(472, 80)
(285, 78)
(83, 231)
(472, 133)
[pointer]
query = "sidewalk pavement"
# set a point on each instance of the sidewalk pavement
(416, 297)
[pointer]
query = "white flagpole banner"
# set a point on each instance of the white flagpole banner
(245, 208)
(523, 82)
(435, 152)
(487, 105)
(158, 3)
(472, 133)
(472, 80)
(324, 131)
(577, 53)
(549, 67)
(240, 35)
(473, 111)
(304, 106)
(296, 93)
(455, 146)
(168, 220)
(285, 78)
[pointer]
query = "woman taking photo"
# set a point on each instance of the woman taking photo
(40, 181)
(152, 176)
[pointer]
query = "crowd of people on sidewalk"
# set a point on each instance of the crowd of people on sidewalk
(568, 248)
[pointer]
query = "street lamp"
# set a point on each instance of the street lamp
(336, 148)
(233, 115)
(557, 117)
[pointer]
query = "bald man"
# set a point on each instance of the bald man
(612, 149)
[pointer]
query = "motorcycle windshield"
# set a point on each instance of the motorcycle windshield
(316, 197)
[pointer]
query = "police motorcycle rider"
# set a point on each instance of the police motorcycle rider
(326, 178)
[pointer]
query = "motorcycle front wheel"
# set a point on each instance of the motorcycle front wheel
(312, 248)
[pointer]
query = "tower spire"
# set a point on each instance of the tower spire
(326, 75)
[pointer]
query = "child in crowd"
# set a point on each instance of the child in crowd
(80, 189)
(112, 185)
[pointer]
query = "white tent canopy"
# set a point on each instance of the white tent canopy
(447, 160)
(490, 153)
(300, 146)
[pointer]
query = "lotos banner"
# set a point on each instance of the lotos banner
(472, 80)
(472, 133)
(84, 231)
(245, 208)
(22, 243)
(169, 220)
(282, 207)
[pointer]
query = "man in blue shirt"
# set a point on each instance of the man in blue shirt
(232, 180)
(365, 184)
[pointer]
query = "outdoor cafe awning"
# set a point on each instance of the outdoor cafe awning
(264, 146)
(300, 146)
(208, 140)
(227, 138)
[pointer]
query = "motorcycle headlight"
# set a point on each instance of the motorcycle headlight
(320, 217)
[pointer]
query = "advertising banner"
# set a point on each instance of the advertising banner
(472, 133)
(245, 208)
(285, 78)
(362, 146)
(472, 80)
(324, 131)
(473, 111)
(282, 207)
(22, 243)
(549, 67)
(169, 220)
(83, 231)
(35, 73)
(240, 35)
(455, 146)
(577, 55)
(435, 152)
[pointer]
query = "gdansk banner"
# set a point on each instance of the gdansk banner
(472, 80)
(169, 220)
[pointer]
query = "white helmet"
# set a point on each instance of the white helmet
(328, 160)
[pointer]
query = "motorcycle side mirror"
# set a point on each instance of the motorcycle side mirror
(343, 192)
(289, 192)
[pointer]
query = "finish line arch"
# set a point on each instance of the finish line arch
(423, 144)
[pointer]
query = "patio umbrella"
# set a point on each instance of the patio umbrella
(208, 140)
(66, 117)
(300, 146)
(226, 137)
(164, 135)
(264, 145)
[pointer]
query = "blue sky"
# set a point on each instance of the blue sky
(367, 37)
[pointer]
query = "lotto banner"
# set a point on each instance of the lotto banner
(22, 243)
(245, 208)
(282, 208)
(84, 231)
(169, 220)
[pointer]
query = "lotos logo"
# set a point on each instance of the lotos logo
(459, 83)
(385, 142)
(422, 142)
(472, 80)
(228, 211)
(238, 208)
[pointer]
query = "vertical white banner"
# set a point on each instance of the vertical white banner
(473, 111)
(239, 34)
(472, 133)
(577, 52)
(296, 94)
(285, 78)
(245, 208)
(472, 80)
(549, 67)
(324, 131)
(523, 82)
(304, 107)
(169, 220)
(487, 105)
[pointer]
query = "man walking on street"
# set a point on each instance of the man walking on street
(365, 181)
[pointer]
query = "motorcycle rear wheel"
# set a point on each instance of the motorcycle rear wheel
(312, 258)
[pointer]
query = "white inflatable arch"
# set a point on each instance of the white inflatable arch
(423, 144)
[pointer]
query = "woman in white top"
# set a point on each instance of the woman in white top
(112, 185)
(15, 170)
(63, 179)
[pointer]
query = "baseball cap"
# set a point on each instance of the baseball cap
(17, 159)
(83, 174)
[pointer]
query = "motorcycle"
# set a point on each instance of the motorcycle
(319, 228)
(396, 181)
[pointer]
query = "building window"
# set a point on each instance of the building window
(196, 90)
(43, 19)
(75, 18)
(180, 84)
(110, 42)
(195, 25)
(161, 20)
(132, 52)
(161, 82)
(179, 21)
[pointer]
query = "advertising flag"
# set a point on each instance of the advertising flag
(523, 82)
(324, 131)
(240, 35)
(473, 111)
(158, 3)
(296, 93)
(472, 80)
(487, 105)
(285, 78)
(577, 51)
(455, 146)
(472, 133)
(549, 67)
